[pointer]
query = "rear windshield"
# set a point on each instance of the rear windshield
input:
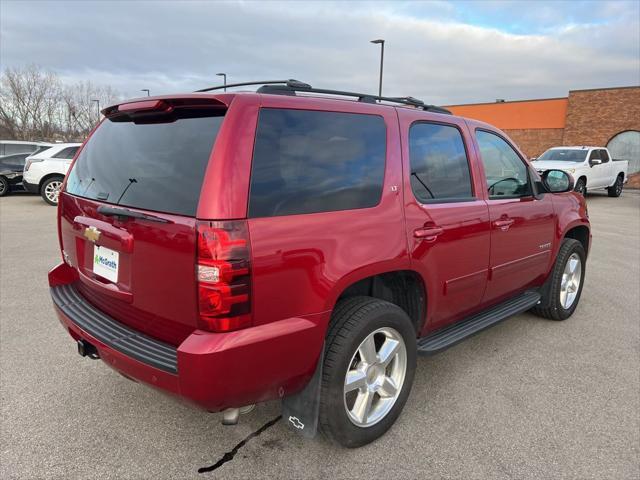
(564, 154)
(151, 166)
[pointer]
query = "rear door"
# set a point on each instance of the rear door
(522, 226)
(447, 218)
(599, 172)
(609, 170)
(324, 206)
(140, 270)
(65, 156)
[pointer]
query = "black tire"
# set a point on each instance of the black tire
(615, 190)
(581, 186)
(550, 306)
(353, 320)
(43, 189)
(4, 187)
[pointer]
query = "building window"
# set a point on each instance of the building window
(626, 146)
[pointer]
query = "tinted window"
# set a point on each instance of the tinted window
(595, 155)
(17, 160)
(11, 148)
(439, 166)
(154, 166)
(507, 175)
(307, 161)
(68, 153)
(604, 156)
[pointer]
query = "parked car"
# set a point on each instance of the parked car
(12, 147)
(243, 247)
(44, 172)
(592, 168)
(11, 173)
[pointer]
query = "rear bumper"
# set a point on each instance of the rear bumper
(30, 187)
(213, 370)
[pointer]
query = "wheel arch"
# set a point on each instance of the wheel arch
(403, 287)
(47, 177)
(580, 233)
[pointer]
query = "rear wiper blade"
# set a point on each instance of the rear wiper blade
(124, 213)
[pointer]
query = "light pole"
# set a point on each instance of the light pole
(381, 42)
(224, 75)
(146, 90)
(98, 104)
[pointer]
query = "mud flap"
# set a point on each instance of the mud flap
(300, 411)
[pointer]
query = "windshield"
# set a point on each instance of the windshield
(564, 155)
(152, 166)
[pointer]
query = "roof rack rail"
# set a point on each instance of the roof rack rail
(291, 86)
(291, 82)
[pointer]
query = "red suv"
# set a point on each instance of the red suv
(234, 248)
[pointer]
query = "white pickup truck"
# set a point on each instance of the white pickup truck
(591, 167)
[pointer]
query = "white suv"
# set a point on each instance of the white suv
(44, 172)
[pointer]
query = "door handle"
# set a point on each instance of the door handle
(428, 233)
(503, 224)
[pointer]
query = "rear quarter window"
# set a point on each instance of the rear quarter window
(311, 161)
(151, 166)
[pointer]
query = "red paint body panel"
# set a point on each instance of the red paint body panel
(455, 264)
(301, 264)
(218, 370)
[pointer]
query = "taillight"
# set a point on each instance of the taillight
(31, 161)
(223, 274)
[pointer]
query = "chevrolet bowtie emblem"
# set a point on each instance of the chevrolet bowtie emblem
(92, 234)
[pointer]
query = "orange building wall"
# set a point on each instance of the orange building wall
(520, 115)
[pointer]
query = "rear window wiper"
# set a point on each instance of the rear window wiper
(125, 213)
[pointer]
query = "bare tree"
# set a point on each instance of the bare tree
(81, 110)
(35, 105)
(28, 99)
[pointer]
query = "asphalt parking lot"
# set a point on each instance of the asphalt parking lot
(529, 398)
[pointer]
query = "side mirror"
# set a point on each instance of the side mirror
(557, 181)
(595, 161)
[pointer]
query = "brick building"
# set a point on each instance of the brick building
(601, 117)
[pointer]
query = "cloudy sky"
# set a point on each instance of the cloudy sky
(442, 51)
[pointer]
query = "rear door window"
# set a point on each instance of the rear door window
(311, 161)
(151, 166)
(439, 165)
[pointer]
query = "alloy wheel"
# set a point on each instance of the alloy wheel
(571, 278)
(375, 376)
(52, 191)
